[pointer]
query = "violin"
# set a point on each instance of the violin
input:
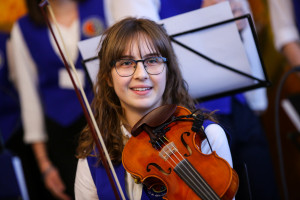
(165, 151)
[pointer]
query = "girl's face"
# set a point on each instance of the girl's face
(141, 92)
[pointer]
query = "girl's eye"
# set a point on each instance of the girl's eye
(152, 60)
(126, 62)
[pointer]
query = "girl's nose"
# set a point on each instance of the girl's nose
(140, 71)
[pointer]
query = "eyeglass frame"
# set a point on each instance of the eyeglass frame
(113, 63)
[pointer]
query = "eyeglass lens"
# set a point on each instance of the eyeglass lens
(127, 67)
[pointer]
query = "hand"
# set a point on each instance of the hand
(51, 175)
(54, 183)
(207, 3)
(236, 7)
(291, 51)
(238, 10)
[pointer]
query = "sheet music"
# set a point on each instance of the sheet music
(222, 43)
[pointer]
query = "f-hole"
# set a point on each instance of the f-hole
(185, 144)
(159, 168)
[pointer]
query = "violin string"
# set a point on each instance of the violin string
(168, 157)
(188, 163)
(200, 184)
(188, 175)
(191, 167)
(202, 189)
(170, 151)
(175, 163)
(179, 155)
(174, 147)
(195, 179)
(173, 153)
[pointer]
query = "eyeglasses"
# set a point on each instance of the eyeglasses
(127, 67)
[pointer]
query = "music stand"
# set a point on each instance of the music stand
(215, 58)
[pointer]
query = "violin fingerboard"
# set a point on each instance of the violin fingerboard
(194, 180)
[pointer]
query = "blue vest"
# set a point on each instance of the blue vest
(101, 180)
(60, 105)
(10, 119)
(176, 7)
(297, 13)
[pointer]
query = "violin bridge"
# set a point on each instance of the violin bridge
(167, 151)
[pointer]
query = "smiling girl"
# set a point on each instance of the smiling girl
(138, 73)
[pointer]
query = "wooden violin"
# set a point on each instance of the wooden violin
(165, 151)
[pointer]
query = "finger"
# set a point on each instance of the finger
(56, 180)
(59, 188)
(59, 183)
(61, 195)
(55, 185)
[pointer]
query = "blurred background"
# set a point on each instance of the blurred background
(276, 65)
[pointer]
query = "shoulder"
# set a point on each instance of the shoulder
(215, 132)
(217, 139)
(27, 25)
(84, 184)
(24, 20)
(83, 171)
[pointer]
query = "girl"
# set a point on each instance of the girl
(138, 73)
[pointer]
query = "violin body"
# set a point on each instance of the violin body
(173, 164)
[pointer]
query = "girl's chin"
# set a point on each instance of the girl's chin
(148, 108)
(142, 105)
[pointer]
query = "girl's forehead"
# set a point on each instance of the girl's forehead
(140, 44)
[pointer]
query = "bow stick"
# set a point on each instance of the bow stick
(85, 105)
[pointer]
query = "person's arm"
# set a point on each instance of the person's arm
(291, 51)
(119, 9)
(49, 172)
(25, 79)
(85, 188)
(286, 35)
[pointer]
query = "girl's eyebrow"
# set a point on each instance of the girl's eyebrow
(145, 56)
(151, 54)
(126, 57)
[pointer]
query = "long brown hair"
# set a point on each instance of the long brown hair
(106, 104)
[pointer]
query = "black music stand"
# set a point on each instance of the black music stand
(198, 88)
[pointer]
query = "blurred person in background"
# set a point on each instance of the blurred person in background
(51, 113)
(285, 21)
